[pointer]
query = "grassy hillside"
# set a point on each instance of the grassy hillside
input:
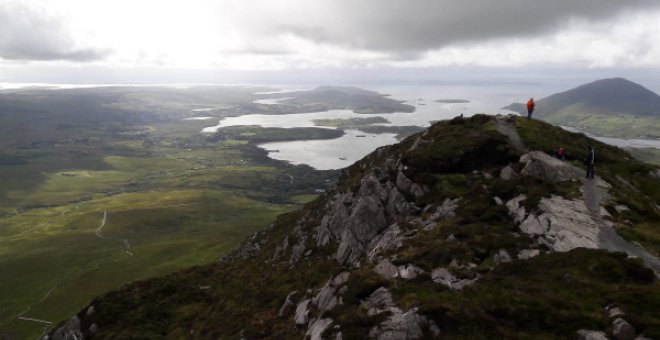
(549, 296)
(172, 197)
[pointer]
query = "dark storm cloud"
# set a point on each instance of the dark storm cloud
(419, 25)
(27, 33)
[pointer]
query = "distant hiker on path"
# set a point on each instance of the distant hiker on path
(561, 153)
(530, 108)
(589, 161)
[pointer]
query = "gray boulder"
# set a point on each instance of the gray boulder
(586, 334)
(386, 269)
(622, 330)
(446, 210)
(409, 271)
(508, 173)
(400, 326)
(330, 295)
(502, 257)
(516, 208)
(317, 328)
(388, 240)
(443, 276)
(379, 301)
(526, 254)
(543, 166)
(288, 305)
(302, 313)
(615, 312)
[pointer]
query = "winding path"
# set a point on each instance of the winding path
(126, 246)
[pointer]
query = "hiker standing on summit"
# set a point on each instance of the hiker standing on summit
(589, 161)
(530, 108)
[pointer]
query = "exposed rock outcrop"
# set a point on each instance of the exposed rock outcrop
(526, 254)
(543, 166)
(399, 325)
(390, 239)
(445, 277)
(560, 224)
(69, 331)
(386, 269)
(310, 312)
(288, 305)
(356, 219)
(409, 271)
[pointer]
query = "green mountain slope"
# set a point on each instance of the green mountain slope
(613, 107)
(466, 230)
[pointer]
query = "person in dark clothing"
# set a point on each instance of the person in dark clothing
(590, 161)
(530, 107)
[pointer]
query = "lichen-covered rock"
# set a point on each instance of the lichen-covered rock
(502, 257)
(443, 276)
(615, 312)
(330, 295)
(302, 313)
(390, 239)
(317, 328)
(378, 302)
(543, 166)
(281, 248)
(409, 271)
(508, 173)
(298, 250)
(356, 219)
(561, 224)
(400, 326)
(526, 254)
(386, 269)
(446, 210)
(288, 305)
(516, 208)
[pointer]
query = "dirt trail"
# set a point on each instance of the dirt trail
(125, 245)
(608, 238)
(594, 193)
(508, 128)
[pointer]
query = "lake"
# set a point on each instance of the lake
(344, 151)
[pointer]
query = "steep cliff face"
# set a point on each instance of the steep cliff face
(455, 232)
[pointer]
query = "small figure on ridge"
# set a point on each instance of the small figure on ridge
(590, 161)
(530, 108)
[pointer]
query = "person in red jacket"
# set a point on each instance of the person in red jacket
(530, 108)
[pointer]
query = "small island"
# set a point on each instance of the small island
(258, 134)
(452, 101)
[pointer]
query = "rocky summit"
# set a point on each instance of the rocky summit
(470, 229)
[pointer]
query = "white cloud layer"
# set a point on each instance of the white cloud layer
(284, 34)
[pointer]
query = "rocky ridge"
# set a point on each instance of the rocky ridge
(416, 215)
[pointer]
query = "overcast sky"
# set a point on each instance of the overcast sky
(62, 40)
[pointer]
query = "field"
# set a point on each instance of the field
(102, 187)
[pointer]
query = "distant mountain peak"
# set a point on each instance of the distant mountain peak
(601, 100)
